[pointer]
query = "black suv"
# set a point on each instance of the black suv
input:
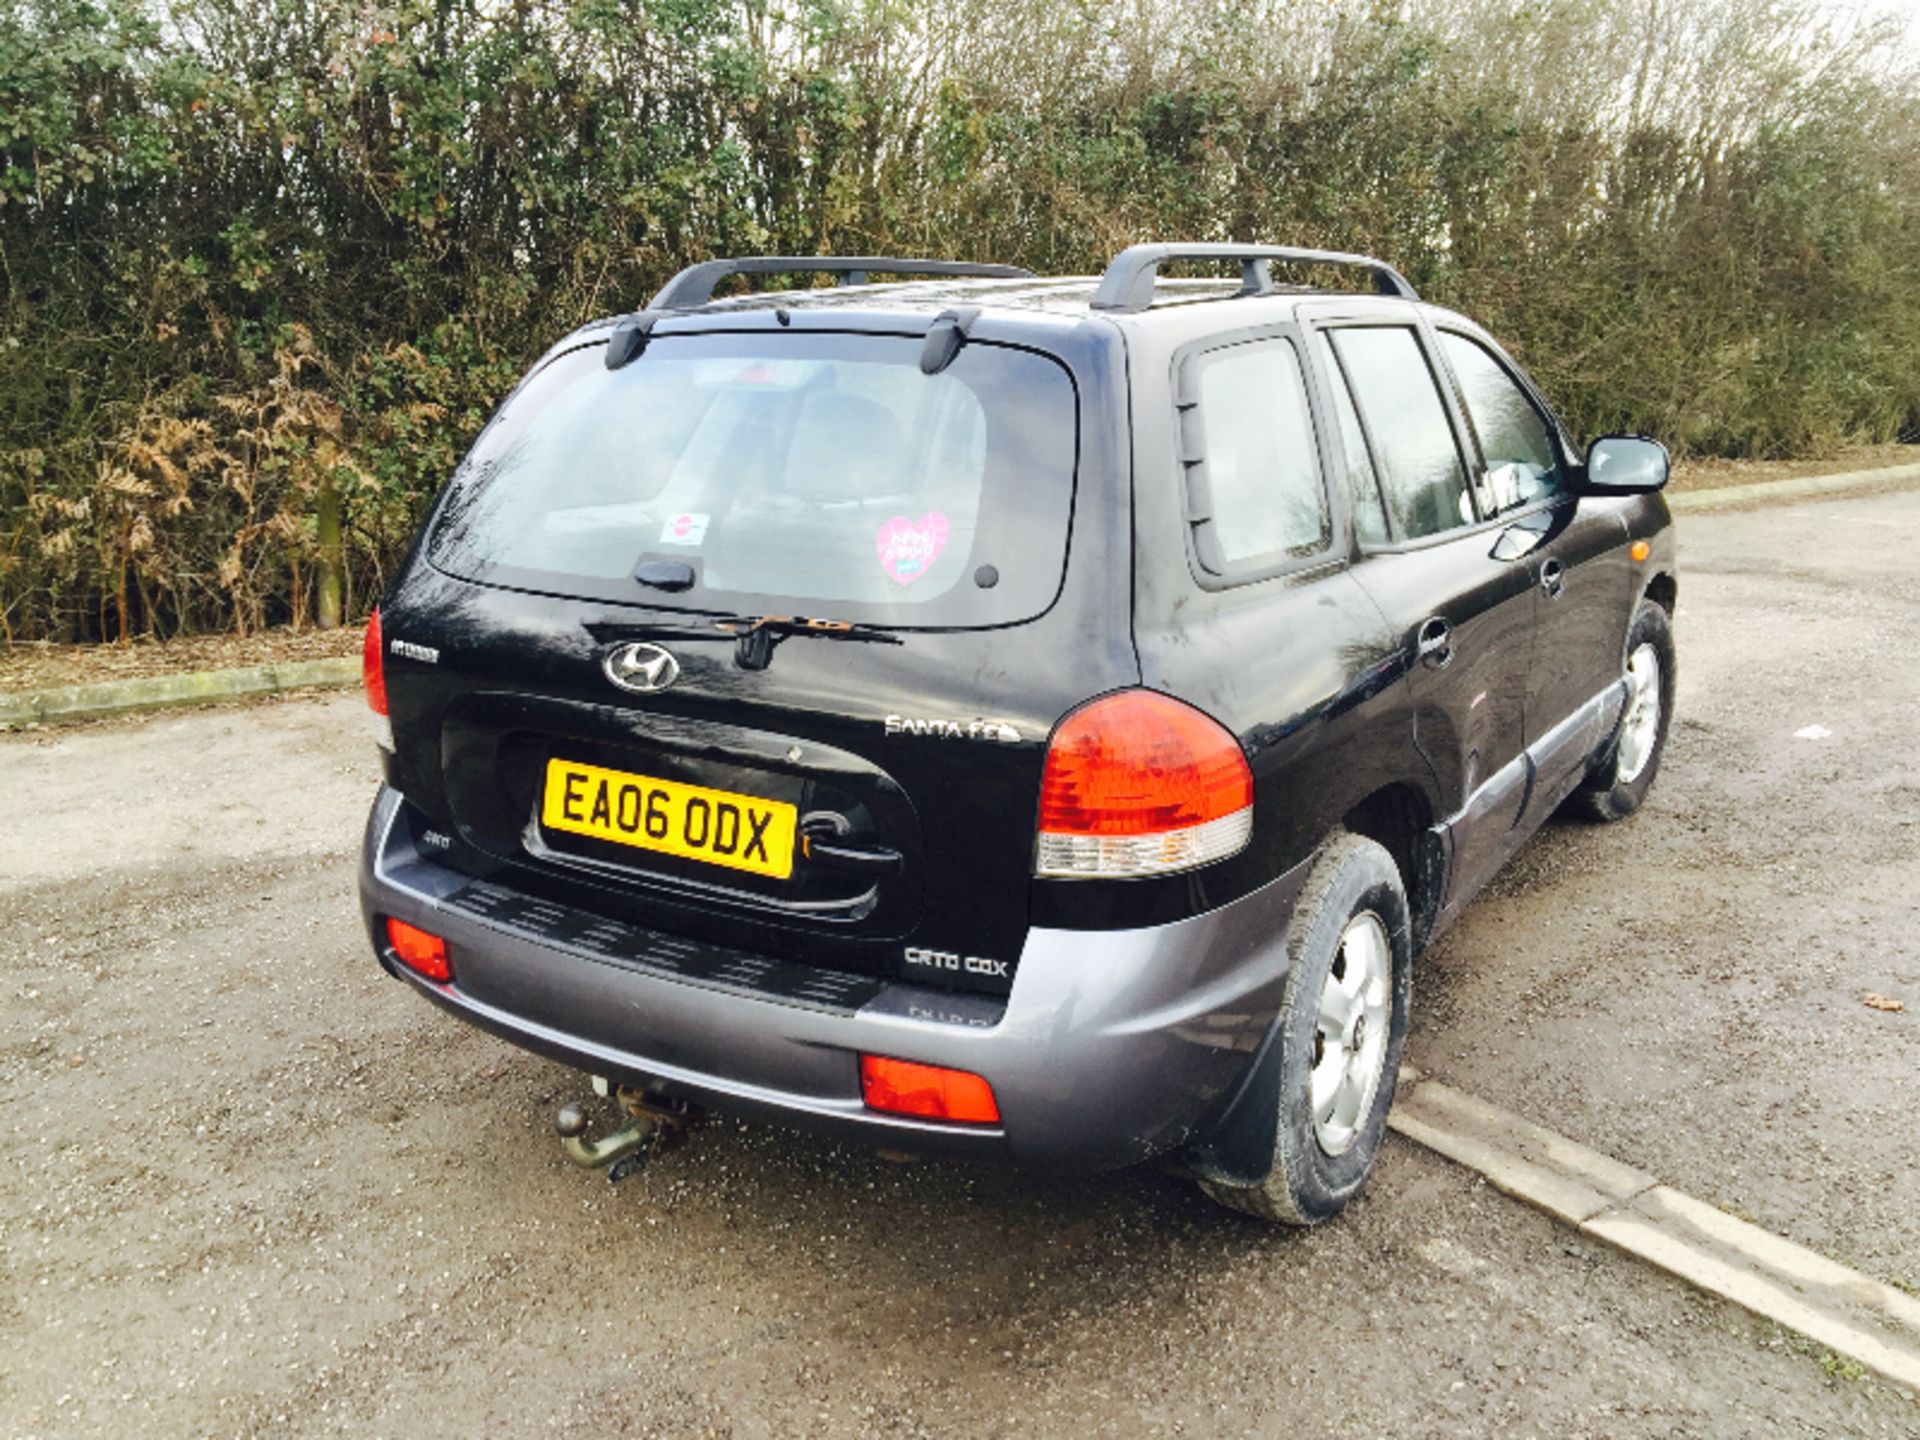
(991, 715)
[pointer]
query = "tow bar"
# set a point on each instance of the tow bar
(650, 1127)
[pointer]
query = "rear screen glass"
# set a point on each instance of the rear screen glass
(820, 475)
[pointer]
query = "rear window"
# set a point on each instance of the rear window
(1419, 462)
(820, 475)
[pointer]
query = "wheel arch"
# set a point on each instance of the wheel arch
(1663, 590)
(1400, 818)
(1237, 1145)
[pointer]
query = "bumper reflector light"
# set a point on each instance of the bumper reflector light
(931, 1092)
(419, 950)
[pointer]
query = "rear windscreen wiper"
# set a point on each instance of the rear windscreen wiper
(753, 636)
(756, 635)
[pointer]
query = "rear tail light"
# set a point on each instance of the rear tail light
(931, 1092)
(421, 951)
(1140, 784)
(373, 670)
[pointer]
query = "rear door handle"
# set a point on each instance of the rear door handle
(1552, 576)
(1434, 643)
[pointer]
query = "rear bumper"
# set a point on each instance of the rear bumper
(1114, 1046)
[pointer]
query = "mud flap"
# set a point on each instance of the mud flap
(1236, 1147)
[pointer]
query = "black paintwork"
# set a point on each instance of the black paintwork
(1317, 670)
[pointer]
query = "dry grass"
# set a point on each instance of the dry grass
(44, 666)
(1713, 474)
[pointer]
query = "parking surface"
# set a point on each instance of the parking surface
(254, 1187)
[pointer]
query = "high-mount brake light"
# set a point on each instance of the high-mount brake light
(931, 1092)
(1138, 783)
(373, 669)
(421, 951)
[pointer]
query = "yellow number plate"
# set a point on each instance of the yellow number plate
(742, 832)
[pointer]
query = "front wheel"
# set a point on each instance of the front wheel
(1623, 772)
(1344, 1021)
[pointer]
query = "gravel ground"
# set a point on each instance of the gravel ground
(1687, 991)
(255, 1188)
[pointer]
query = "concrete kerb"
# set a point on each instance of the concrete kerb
(1834, 1306)
(119, 697)
(1761, 492)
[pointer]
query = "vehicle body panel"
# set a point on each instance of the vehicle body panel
(1301, 667)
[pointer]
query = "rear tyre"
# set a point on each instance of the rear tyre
(1344, 1021)
(1624, 771)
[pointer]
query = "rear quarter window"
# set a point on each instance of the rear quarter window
(823, 475)
(1257, 502)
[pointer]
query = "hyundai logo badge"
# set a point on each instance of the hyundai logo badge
(641, 667)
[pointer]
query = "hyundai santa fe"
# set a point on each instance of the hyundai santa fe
(1005, 717)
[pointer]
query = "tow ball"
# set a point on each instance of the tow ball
(629, 1140)
(620, 1152)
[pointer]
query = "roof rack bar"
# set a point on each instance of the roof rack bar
(693, 286)
(1127, 287)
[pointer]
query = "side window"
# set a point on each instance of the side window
(1421, 477)
(1263, 497)
(1369, 513)
(1514, 437)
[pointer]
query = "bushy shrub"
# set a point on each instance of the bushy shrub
(268, 263)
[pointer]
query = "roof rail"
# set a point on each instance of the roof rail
(1127, 287)
(693, 286)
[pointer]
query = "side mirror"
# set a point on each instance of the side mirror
(1624, 465)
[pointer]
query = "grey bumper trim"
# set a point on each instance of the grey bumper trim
(1114, 1046)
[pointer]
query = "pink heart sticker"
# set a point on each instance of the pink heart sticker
(908, 548)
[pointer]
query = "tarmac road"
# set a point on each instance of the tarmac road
(252, 1186)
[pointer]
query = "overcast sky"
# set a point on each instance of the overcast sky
(1908, 10)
